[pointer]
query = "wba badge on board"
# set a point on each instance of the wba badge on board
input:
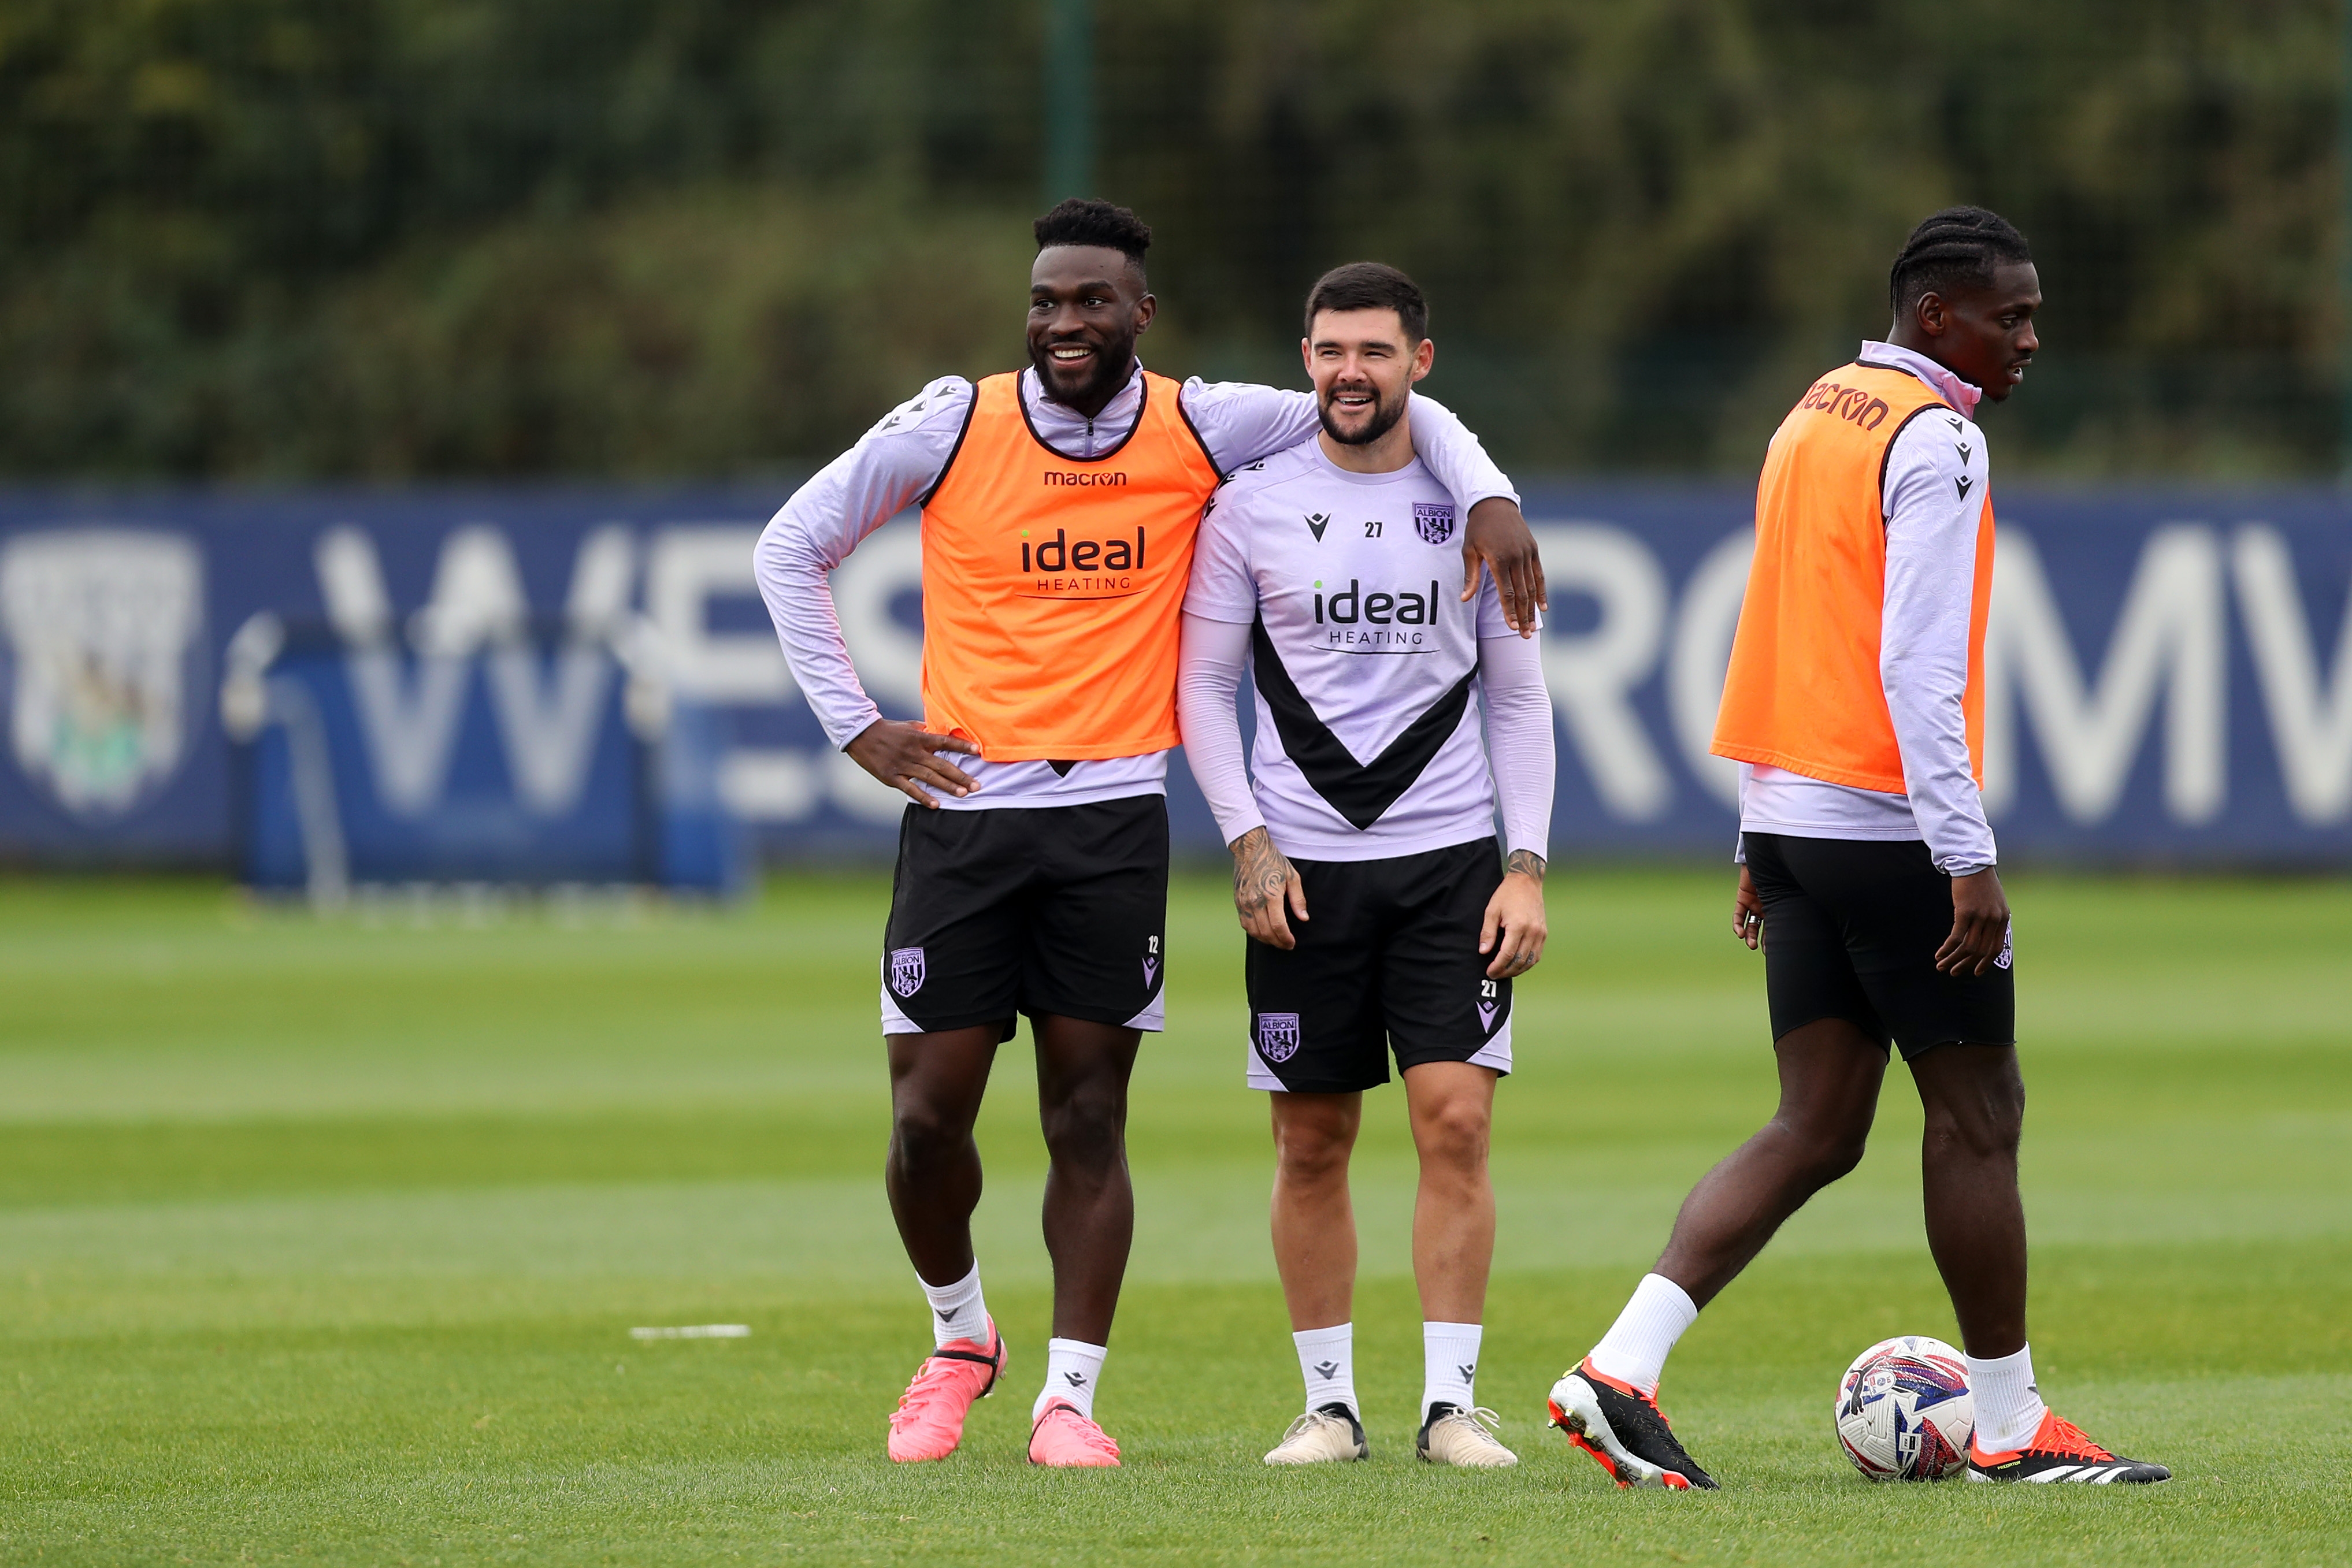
(103, 631)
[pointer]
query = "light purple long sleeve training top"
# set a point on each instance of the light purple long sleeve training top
(903, 456)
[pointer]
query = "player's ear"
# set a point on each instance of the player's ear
(1145, 309)
(1307, 354)
(1423, 358)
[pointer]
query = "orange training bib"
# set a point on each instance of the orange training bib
(1053, 588)
(1804, 692)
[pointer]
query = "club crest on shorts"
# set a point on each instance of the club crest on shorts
(1278, 1036)
(1433, 521)
(2007, 933)
(907, 971)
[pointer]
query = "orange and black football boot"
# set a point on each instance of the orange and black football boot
(1624, 1430)
(2059, 1452)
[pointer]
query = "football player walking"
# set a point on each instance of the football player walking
(1854, 707)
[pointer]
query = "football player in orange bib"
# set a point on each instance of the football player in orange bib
(1059, 506)
(1854, 707)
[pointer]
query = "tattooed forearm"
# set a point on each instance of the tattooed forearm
(1260, 873)
(1526, 862)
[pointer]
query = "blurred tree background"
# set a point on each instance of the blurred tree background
(384, 238)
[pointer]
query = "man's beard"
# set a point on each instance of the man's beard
(1384, 417)
(1112, 362)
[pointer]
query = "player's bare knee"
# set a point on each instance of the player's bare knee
(1982, 1132)
(1313, 1151)
(1836, 1158)
(1824, 1151)
(922, 1139)
(1086, 1131)
(1455, 1135)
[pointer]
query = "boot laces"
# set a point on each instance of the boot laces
(1088, 1434)
(2070, 1441)
(930, 1383)
(1483, 1422)
(1309, 1422)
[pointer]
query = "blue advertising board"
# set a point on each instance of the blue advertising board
(2169, 675)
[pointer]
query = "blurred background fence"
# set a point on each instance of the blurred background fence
(386, 238)
(510, 301)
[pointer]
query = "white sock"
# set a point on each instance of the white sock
(1326, 1360)
(1449, 1359)
(2009, 1405)
(957, 1310)
(1635, 1348)
(1072, 1369)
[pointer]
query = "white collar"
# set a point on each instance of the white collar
(1962, 395)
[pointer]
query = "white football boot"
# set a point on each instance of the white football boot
(1324, 1436)
(1452, 1435)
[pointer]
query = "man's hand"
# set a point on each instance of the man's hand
(1497, 534)
(1979, 924)
(1747, 912)
(907, 757)
(1513, 928)
(1264, 881)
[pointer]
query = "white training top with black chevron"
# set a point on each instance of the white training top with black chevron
(1364, 656)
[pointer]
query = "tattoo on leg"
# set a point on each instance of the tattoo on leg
(1526, 862)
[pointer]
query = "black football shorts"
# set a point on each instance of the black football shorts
(1028, 909)
(1386, 960)
(1851, 930)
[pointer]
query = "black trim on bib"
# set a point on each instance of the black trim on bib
(1886, 452)
(1142, 407)
(1360, 791)
(954, 451)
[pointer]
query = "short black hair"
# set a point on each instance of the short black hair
(1088, 220)
(1371, 286)
(1954, 248)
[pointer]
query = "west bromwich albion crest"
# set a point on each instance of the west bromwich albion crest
(907, 971)
(103, 628)
(1433, 521)
(1278, 1036)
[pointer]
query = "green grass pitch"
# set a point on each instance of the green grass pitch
(320, 1241)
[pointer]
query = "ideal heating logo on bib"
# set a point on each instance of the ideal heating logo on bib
(1063, 567)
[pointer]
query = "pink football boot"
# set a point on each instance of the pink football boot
(1064, 1439)
(929, 1422)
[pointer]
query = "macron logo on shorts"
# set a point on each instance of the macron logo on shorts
(907, 971)
(1278, 1036)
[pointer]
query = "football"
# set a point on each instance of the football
(1903, 1411)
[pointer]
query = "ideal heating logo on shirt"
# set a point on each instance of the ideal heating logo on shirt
(1355, 616)
(1061, 564)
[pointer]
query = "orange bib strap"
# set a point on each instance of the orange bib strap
(1052, 587)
